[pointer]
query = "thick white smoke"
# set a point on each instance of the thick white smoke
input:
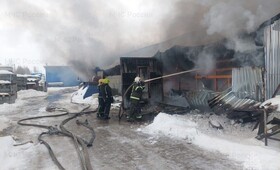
(231, 18)
(93, 33)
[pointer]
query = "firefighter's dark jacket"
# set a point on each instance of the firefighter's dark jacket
(100, 89)
(137, 90)
(105, 92)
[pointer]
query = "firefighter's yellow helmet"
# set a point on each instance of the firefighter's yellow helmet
(106, 81)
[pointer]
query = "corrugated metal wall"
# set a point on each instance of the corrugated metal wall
(272, 58)
(199, 99)
(245, 81)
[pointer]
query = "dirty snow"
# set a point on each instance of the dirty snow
(4, 122)
(23, 95)
(78, 97)
(18, 157)
(4, 82)
(253, 155)
(11, 157)
(235, 141)
(5, 72)
(273, 101)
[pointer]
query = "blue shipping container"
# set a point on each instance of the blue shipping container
(62, 74)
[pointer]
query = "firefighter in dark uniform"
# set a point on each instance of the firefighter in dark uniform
(101, 103)
(135, 97)
(107, 97)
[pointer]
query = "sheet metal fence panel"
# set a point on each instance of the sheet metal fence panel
(272, 58)
(245, 81)
(199, 99)
(226, 102)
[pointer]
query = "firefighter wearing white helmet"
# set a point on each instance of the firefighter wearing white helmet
(135, 97)
(137, 79)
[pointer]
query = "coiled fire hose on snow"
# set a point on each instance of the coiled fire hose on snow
(78, 142)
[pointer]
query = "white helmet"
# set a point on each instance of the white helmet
(137, 79)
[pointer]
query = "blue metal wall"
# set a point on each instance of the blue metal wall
(63, 74)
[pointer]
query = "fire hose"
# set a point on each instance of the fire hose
(121, 110)
(78, 142)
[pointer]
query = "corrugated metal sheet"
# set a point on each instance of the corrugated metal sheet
(272, 58)
(245, 81)
(199, 99)
(228, 103)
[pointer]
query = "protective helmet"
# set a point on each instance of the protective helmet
(137, 79)
(106, 81)
(100, 81)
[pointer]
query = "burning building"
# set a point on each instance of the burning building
(225, 80)
(146, 68)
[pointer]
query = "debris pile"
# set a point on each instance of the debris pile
(244, 110)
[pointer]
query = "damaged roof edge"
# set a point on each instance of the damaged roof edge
(269, 22)
(259, 33)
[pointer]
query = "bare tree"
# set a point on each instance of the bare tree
(22, 70)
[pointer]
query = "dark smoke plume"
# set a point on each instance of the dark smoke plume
(91, 33)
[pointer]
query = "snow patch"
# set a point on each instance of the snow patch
(273, 101)
(5, 72)
(21, 100)
(6, 108)
(252, 156)
(173, 126)
(78, 97)
(4, 82)
(12, 157)
(24, 94)
(4, 122)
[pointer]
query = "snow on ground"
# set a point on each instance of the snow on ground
(252, 154)
(77, 97)
(57, 89)
(11, 157)
(235, 141)
(21, 156)
(273, 101)
(4, 122)
(23, 95)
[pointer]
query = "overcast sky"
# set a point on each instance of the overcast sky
(91, 33)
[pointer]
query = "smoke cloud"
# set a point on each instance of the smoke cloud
(93, 33)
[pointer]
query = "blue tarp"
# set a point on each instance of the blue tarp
(90, 90)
